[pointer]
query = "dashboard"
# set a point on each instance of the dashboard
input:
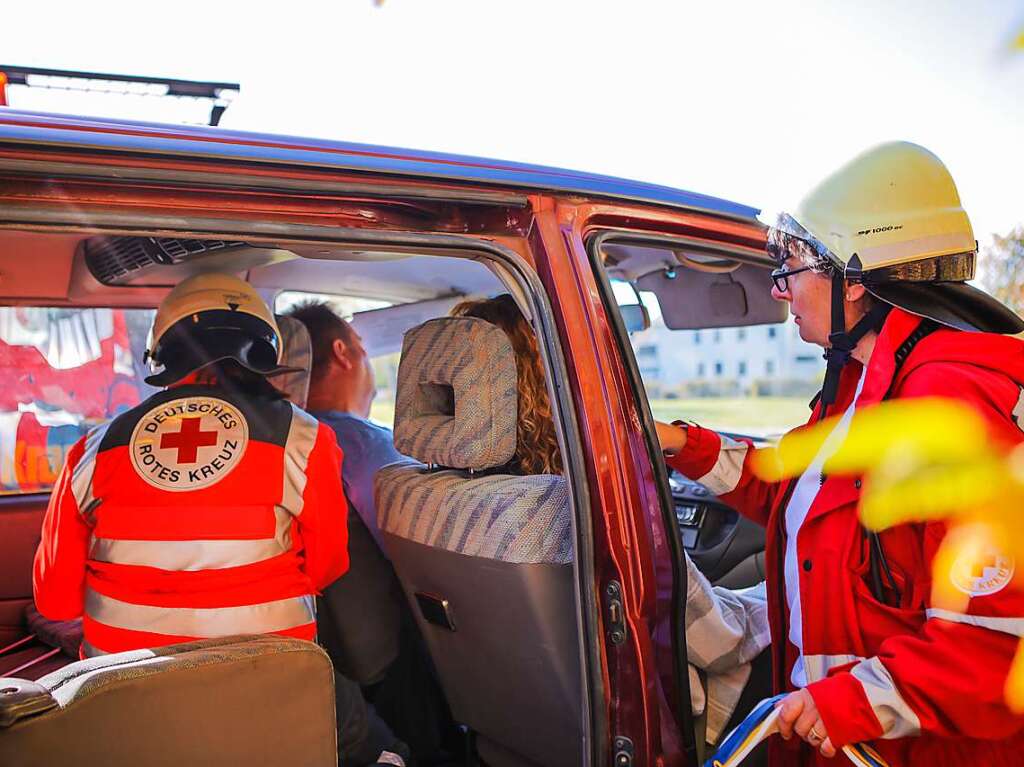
(726, 547)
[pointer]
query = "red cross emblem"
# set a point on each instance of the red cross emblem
(979, 568)
(189, 440)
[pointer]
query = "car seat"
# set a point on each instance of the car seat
(484, 556)
(232, 700)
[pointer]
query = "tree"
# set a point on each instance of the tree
(1003, 269)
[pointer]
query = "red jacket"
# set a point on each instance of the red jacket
(922, 684)
(198, 513)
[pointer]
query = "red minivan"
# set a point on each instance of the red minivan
(574, 658)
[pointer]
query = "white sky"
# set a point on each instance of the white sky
(750, 101)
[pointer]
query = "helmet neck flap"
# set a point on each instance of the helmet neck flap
(842, 342)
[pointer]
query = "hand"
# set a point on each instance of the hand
(800, 715)
(671, 437)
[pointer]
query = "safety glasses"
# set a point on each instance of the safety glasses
(781, 277)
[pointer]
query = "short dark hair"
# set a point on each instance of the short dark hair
(324, 326)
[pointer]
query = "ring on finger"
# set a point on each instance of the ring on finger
(813, 735)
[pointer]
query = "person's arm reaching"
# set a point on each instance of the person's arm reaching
(720, 463)
(724, 628)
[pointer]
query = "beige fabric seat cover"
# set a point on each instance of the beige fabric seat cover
(252, 700)
(484, 556)
(296, 352)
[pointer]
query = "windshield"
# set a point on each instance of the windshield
(755, 380)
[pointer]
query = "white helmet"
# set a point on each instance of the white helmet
(211, 318)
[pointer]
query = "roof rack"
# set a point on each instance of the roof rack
(219, 94)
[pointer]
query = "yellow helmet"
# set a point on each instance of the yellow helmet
(893, 204)
(210, 318)
(891, 219)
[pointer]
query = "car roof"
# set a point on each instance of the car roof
(65, 131)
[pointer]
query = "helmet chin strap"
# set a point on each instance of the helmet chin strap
(843, 342)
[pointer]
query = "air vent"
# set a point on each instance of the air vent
(121, 260)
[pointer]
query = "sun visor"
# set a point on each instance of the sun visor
(691, 299)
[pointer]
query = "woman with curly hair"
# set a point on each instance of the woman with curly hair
(536, 447)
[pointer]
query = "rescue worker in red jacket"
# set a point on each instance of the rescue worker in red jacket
(874, 264)
(215, 507)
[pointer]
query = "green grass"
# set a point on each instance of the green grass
(748, 415)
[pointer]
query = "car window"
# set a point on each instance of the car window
(754, 380)
(63, 371)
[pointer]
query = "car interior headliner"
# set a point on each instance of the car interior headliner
(47, 268)
(702, 288)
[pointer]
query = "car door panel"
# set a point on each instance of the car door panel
(21, 519)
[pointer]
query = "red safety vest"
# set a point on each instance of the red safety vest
(199, 513)
(923, 685)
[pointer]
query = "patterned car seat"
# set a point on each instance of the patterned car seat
(213, 701)
(296, 352)
(484, 556)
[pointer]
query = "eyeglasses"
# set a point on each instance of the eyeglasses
(780, 277)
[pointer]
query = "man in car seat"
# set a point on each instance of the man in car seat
(341, 390)
(212, 508)
(383, 650)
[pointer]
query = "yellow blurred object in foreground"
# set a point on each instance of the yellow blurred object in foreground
(902, 435)
(925, 460)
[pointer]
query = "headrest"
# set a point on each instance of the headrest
(296, 352)
(456, 401)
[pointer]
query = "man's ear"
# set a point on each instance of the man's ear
(339, 351)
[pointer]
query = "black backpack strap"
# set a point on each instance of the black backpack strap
(878, 565)
(924, 328)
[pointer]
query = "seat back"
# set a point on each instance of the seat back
(296, 352)
(484, 556)
(231, 700)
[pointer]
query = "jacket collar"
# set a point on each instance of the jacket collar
(881, 367)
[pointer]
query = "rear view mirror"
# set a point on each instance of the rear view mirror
(635, 317)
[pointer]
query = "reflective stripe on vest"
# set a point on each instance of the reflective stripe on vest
(202, 623)
(301, 438)
(817, 666)
(81, 477)
(198, 554)
(1012, 626)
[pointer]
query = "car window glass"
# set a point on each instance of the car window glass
(63, 371)
(754, 380)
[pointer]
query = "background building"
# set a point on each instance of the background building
(759, 360)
